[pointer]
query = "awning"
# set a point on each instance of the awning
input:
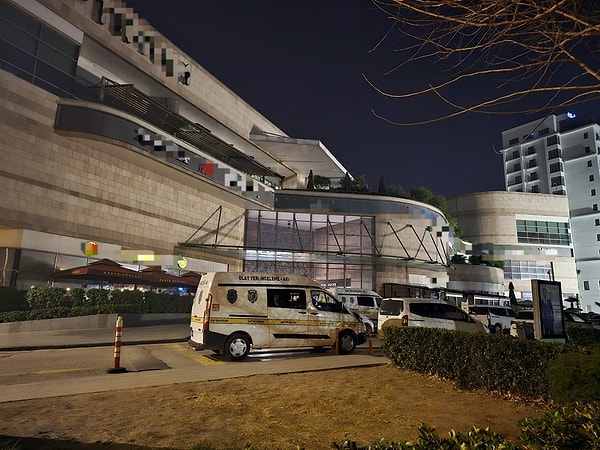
(105, 270)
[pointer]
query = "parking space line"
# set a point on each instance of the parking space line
(192, 354)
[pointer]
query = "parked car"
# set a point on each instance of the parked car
(573, 319)
(419, 312)
(497, 318)
(369, 324)
(593, 318)
(522, 324)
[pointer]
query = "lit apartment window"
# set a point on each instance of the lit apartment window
(586, 285)
(589, 163)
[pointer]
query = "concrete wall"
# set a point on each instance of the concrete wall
(94, 321)
(93, 190)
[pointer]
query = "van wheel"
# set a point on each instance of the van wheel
(346, 342)
(237, 347)
(497, 328)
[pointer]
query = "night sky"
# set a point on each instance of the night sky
(301, 65)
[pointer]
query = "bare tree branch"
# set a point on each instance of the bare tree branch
(545, 49)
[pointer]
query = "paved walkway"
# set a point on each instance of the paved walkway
(195, 366)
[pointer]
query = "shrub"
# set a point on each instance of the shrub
(575, 375)
(45, 297)
(583, 336)
(575, 426)
(49, 303)
(14, 316)
(127, 297)
(95, 297)
(474, 361)
(77, 297)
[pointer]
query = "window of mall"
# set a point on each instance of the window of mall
(336, 250)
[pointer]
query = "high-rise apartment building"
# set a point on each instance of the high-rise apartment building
(559, 155)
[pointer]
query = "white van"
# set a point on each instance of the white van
(431, 313)
(236, 311)
(362, 301)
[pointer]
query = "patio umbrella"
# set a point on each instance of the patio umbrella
(155, 276)
(193, 278)
(105, 270)
(511, 294)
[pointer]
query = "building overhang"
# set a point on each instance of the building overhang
(302, 155)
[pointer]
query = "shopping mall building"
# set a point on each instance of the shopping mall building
(116, 144)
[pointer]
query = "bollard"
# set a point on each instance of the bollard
(116, 368)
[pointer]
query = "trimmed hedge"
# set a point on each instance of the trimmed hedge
(474, 361)
(583, 336)
(51, 303)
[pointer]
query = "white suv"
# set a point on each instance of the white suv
(497, 318)
(420, 312)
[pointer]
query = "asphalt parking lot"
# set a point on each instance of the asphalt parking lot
(67, 362)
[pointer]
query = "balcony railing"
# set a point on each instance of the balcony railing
(127, 98)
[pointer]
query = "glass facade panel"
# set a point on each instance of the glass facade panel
(35, 267)
(527, 270)
(543, 232)
(35, 52)
(334, 249)
(18, 38)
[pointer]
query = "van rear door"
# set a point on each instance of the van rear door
(390, 312)
(288, 317)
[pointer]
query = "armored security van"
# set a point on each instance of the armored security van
(234, 312)
(362, 301)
